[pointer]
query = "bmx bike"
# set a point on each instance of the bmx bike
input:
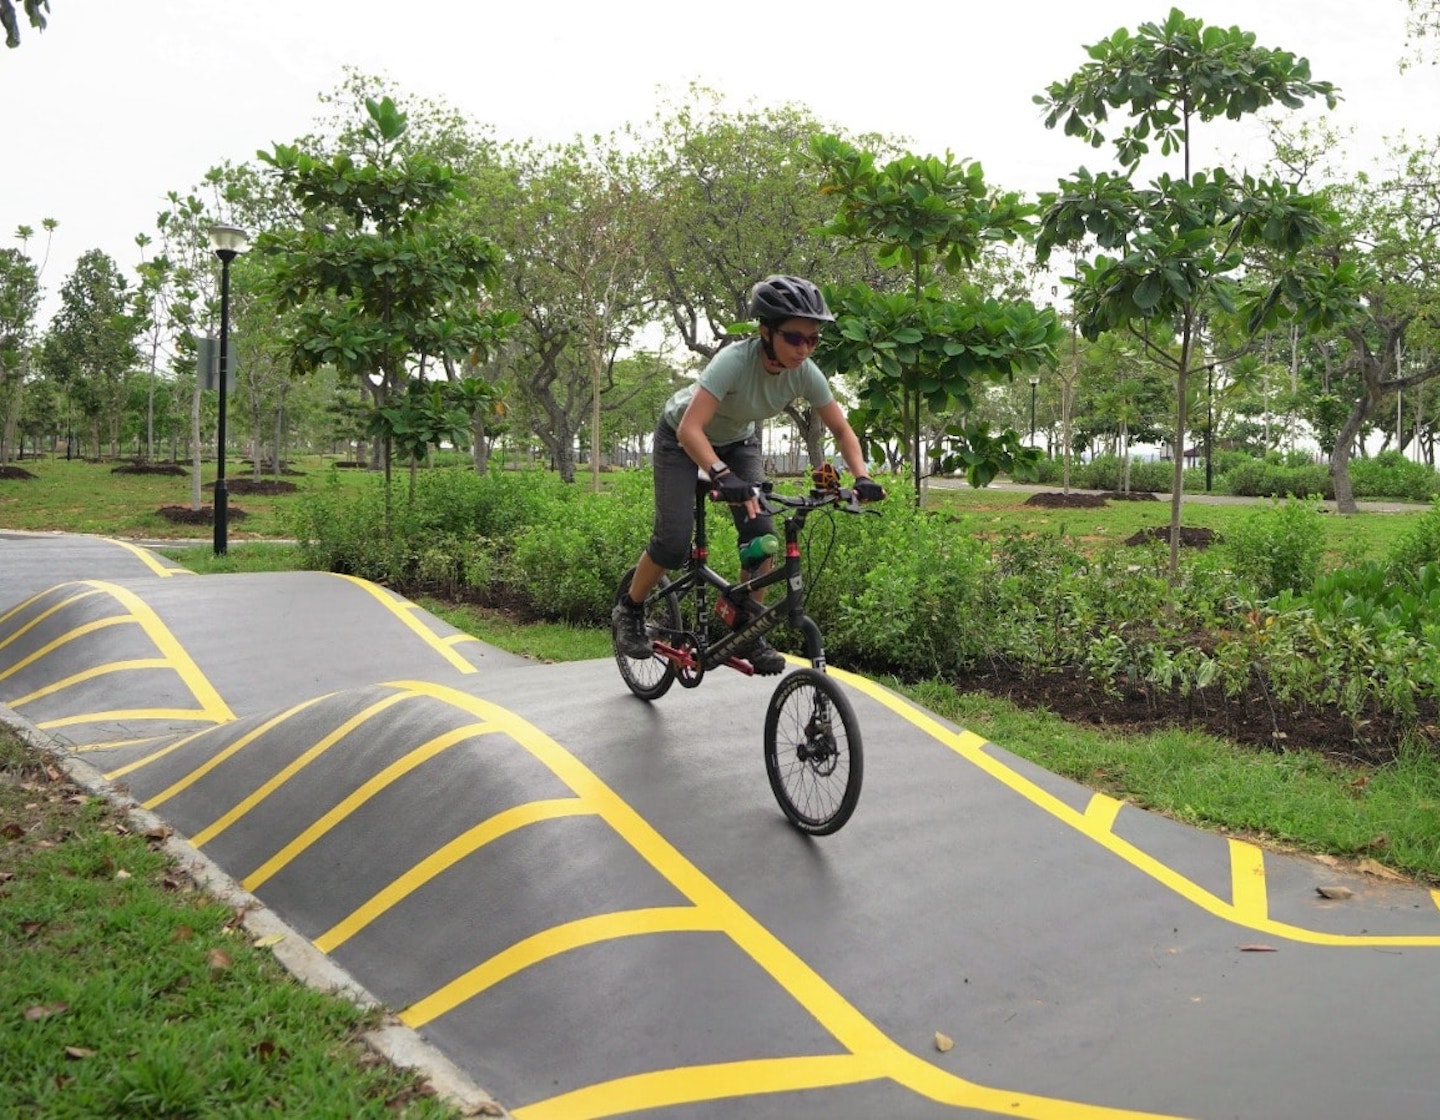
(813, 753)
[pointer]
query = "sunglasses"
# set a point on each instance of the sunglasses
(798, 338)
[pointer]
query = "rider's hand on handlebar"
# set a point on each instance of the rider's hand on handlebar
(868, 490)
(731, 488)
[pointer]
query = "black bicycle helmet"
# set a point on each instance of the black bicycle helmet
(777, 298)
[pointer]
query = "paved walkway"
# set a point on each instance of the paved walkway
(592, 906)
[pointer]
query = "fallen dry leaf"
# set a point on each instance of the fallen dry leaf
(1335, 892)
(1379, 870)
(75, 1053)
(218, 960)
(1257, 948)
(944, 1043)
(268, 940)
(44, 1011)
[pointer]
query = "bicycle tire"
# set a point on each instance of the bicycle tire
(650, 678)
(813, 753)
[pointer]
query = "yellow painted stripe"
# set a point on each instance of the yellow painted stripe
(70, 636)
(208, 833)
(43, 615)
(128, 715)
(140, 763)
(116, 744)
(405, 611)
(1435, 898)
(714, 909)
(151, 561)
(392, 773)
(551, 943)
(1100, 814)
(235, 747)
(971, 747)
(171, 649)
(493, 828)
(90, 674)
(1247, 882)
(697, 1084)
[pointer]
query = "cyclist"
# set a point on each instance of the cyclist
(710, 424)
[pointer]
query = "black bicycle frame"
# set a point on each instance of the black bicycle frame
(698, 576)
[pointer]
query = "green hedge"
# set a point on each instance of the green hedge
(921, 594)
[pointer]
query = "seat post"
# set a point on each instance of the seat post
(702, 492)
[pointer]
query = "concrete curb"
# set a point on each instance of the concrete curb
(392, 1040)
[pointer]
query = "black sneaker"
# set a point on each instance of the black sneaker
(627, 624)
(764, 658)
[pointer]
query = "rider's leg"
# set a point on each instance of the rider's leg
(675, 476)
(744, 459)
(647, 575)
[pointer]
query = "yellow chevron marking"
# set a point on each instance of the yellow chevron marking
(499, 825)
(404, 610)
(205, 835)
(392, 773)
(200, 771)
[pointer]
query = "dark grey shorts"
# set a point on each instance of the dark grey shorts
(675, 478)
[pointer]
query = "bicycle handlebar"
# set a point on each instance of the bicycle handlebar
(842, 499)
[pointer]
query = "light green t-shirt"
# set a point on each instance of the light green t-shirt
(747, 392)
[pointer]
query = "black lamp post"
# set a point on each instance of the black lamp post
(226, 242)
(1034, 384)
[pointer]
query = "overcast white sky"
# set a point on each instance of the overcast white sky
(117, 103)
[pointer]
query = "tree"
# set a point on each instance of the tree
(1391, 340)
(1179, 243)
(571, 219)
(390, 286)
(90, 347)
(36, 12)
(737, 198)
(924, 347)
(19, 300)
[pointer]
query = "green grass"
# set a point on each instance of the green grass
(76, 496)
(1367, 535)
(129, 992)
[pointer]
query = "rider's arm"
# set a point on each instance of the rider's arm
(845, 439)
(692, 437)
(691, 432)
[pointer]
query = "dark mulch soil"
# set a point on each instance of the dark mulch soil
(17, 473)
(1052, 500)
(266, 486)
(151, 468)
(205, 515)
(1190, 537)
(1252, 720)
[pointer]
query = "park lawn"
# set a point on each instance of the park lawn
(76, 496)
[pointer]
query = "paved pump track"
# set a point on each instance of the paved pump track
(592, 906)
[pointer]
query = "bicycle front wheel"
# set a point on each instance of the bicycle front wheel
(812, 752)
(651, 677)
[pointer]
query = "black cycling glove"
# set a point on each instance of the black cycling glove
(868, 490)
(731, 487)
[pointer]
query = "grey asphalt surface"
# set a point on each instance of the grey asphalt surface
(593, 907)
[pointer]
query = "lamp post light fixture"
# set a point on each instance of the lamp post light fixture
(226, 242)
(1034, 384)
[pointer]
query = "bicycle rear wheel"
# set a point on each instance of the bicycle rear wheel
(651, 677)
(813, 755)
